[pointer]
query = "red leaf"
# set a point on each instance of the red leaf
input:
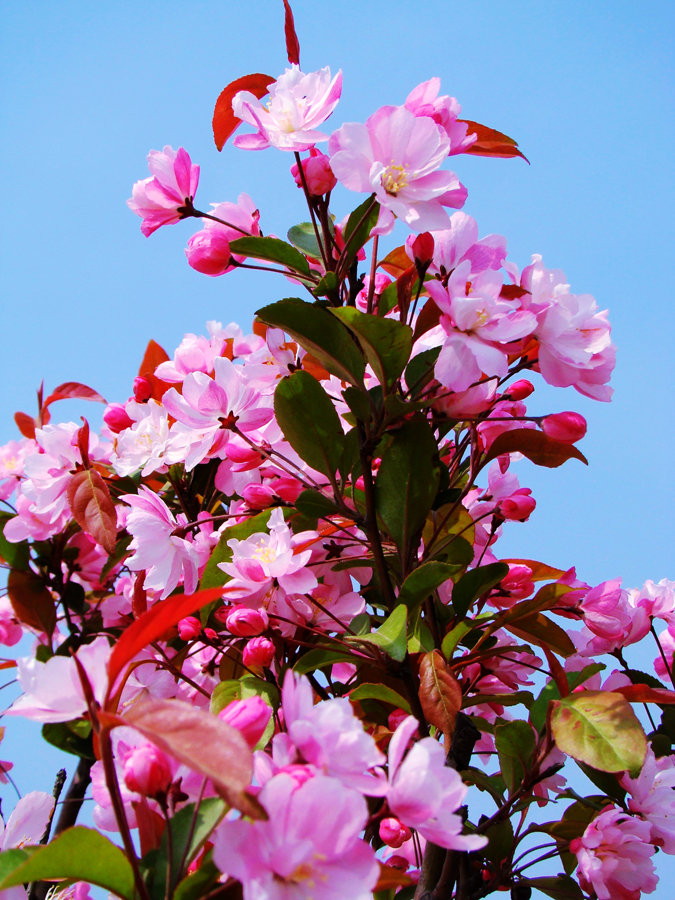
(404, 286)
(92, 507)
(154, 623)
(292, 43)
(440, 693)
(73, 390)
(31, 601)
(429, 317)
(491, 142)
(153, 356)
(542, 450)
(396, 262)
(83, 443)
(540, 571)
(204, 743)
(225, 122)
(391, 878)
(557, 673)
(642, 693)
(25, 424)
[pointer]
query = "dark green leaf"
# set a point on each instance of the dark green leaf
(539, 630)
(189, 831)
(605, 781)
(320, 657)
(321, 334)
(541, 450)
(309, 422)
(357, 231)
(559, 887)
(15, 555)
(423, 580)
(78, 853)
(328, 287)
(515, 743)
(392, 635)
(420, 370)
(316, 505)
(272, 250)
(379, 692)
(359, 402)
(196, 885)
(407, 482)
(474, 584)
(303, 237)
(385, 342)
(65, 736)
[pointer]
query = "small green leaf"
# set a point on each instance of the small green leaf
(385, 342)
(303, 237)
(309, 421)
(423, 580)
(196, 885)
(474, 584)
(320, 658)
(420, 370)
(515, 743)
(15, 555)
(316, 505)
(550, 692)
(541, 450)
(392, 635)
(559, 887)
(380, 692)
(328, 287)
(78, 853)
(357, 231)
(190, 828)
(271, 250)
(320, 334)
(65, 736)
(599, 728)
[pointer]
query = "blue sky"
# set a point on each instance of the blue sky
(586, 89)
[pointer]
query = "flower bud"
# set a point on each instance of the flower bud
(258, 496)
(244, 622)
(259, 652)
(147, 771)
(249, 716)
(142, 389)
(568, 427)
(189, 628)
(423, 249)
(318, 173)
(518, 507)
(393, 832)
(116, 418)
(208, 251)
(520, 389)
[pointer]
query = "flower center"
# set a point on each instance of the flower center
(394, 178)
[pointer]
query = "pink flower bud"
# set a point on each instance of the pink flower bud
(518, 583)
(398, 862)
(258, 652)
(518, 507)
(521, 389)
(189, 628)
(116, 418)
(249, 716)
(244, 622)
(147, 771)
(210, 634)
(142, 389)
(208, 251)
(318, 173)
(568, 427)
(258, 496)
(393, 832)
(423, 249)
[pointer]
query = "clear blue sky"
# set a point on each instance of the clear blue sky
(586, 89)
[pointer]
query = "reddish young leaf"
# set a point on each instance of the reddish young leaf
(557, 673)
(31, 601)
(642, 693)
(491, 142)
(225, 122)
(83, 443)
(292, 43)
(404, 286)
(396, 262)
(542, 450)
(440, 693)
(153, 356)
(540, 571)
(154, 623)
(391, 878)
(204, 743)
(73, 390)
(92, 507)
(428, 318)
(25, 424)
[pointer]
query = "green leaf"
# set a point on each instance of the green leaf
(407, 482)
(78, 853)
(272, 250)
(423, 580)
(15, 555)
(599, 728)
(303, 237)
(420, 370)
(559, 887)
(213, 576)
(539, 630)
(69, 737)
(605, 781)
(320, 334)
(392, 634)
(316, 505)
(385, 342)
(474, 584)
(367, 691)
(328, 287)
(453, 637)
(196, 885)
(309, 421)
(189, 831)
(541, 450)
(357, 231)
(515, 743)
(421, 639)
(550, 692)
(320, 657)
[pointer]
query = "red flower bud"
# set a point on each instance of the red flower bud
(568, 427)
(142, 389)
(147, 771)
(521, 389)
(116, 418)
(258, 652)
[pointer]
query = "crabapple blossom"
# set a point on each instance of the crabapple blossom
(653, 798)
(396, 156)
(297, 105)
(161, 198)
(27, 822)
(424, 101)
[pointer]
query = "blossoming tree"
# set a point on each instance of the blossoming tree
(271, 617)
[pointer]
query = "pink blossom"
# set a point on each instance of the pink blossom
(11, 630)
(396, 156)
(568, 427)
(309, 847)
(424, 101)
(657, 599)
(458, 242)
(117, 418)
(653, 798)
(161, 198)
(147, 771)
(613, 855)
(27, 822)
(318, 173)
(249, 716)
(158, 547)
(12, 457)
(424, 793)
(609, 615)
(298, 103)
